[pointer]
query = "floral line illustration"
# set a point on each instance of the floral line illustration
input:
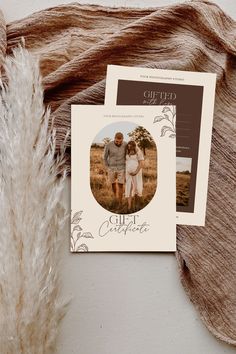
(77, 233)
(170, 117)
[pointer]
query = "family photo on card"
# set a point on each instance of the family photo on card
(123, 167)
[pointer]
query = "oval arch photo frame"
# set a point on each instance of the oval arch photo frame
(117, 151)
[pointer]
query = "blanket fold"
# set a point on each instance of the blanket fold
(75, 43)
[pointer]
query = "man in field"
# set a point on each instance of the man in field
(114, 159)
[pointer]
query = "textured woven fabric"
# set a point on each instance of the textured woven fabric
(76, 42)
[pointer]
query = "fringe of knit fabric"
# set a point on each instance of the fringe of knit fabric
(75, 44)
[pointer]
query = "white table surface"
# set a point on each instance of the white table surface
(125, 303)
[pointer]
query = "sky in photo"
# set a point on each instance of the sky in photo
(183, 164)
(110, 130)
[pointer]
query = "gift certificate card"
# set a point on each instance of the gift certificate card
(193, 94)
(122, 179)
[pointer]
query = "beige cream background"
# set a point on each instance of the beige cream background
(129, 304)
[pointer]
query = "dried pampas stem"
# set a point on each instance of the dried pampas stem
(31, 215)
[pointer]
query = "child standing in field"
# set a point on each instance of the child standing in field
(133, 172)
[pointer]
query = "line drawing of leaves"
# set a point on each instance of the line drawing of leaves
(77, 228)
(166, 109)
(78, 236)
(82, 248)
(174, 117)
(76, 218)
(166, 116)
(165, 129)
(170, 118)
(158, 119)
(87, 235)
(72, 243)
(75, 247)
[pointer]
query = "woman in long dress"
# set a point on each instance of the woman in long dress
(134, 173)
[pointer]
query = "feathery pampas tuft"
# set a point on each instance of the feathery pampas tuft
(31, 215)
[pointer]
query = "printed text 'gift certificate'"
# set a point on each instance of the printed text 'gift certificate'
(122, 179)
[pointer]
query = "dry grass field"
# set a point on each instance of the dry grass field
(101, 188)
(182, 188)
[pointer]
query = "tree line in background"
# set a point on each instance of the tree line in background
(140, 135)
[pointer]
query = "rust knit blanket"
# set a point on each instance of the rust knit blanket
(76, 42)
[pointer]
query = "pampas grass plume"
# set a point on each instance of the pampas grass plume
(31, 215)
